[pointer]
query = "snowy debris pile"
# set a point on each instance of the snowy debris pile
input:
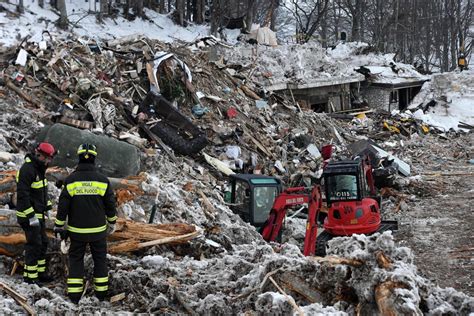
(380, 67)
(446, 101)
(89, 86)
(309, 62)
(369, 273)
(83, 22)
(270, 65)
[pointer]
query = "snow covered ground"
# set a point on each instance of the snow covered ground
(454, 96)
(36, 20)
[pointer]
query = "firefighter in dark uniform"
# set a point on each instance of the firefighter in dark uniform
(32, 206)
(87, 205)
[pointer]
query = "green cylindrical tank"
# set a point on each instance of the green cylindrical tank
(114, 158)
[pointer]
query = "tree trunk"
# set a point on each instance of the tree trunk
(162, 7)
(356, 21)
(251, 8)
(216, 16)
(20, 8)
(189, 10)
(126, 8)
(198, 9)
(104, 9)
(324, 30)
(274, 14)
(180, 10)
(138, 8)
(63, 21)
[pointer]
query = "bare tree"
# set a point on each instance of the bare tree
(249, 15)
(308, 15)
(20, 8)
(138, 7)
(63, 20)
(180, 11)
(104, 9)
(217, 15)
(162, 6)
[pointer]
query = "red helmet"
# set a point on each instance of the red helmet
(46, 149)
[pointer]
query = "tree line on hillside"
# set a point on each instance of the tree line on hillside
(430, 34)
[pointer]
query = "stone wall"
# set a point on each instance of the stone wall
(379, 98)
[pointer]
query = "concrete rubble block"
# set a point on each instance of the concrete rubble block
(313, 151)
(6, 157)
(368, 147)
(114, 159)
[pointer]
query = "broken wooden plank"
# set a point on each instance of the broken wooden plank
(289, 298)
(298, 285)
(13, 239)
(20, 299)
(27, 97)
(117, 298)
(219, 165)
(129, 234)
(383, 261)
(133, 245)
(385, 298)
(7, 183)
(158, 140)
(448, 174)
(294, 101)
(332, 260)
(209, 210)
(257, 143)
(248, 92)
(133, 184)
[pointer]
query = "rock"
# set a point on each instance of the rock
(404, 206)
(114, 158)
(6, 157)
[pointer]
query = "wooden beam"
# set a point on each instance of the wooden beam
(289, 298)
(383, 261)
(20, 299)
(298, 285)
(333, 260)
(27, 97)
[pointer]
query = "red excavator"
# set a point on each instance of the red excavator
(352, 206)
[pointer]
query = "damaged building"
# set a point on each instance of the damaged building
(390, 88)
(320, 95)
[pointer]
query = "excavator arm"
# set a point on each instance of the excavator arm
(293, 197)
(311, 235)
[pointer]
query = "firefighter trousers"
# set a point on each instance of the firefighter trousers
(35, 251)
(75, 281)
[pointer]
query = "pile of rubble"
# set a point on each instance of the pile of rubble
(228, 268)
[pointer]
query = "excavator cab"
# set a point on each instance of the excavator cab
(252, 196)
(353, 207)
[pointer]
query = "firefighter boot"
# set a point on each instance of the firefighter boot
(45, 278)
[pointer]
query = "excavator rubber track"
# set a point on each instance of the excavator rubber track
(324, 236)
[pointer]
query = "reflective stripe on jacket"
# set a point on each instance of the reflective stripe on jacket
(32, 190)
(86, 204)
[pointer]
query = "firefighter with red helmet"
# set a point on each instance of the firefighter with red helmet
(87, 205)
(32, 206)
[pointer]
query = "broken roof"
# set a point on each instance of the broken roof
(310, 65)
